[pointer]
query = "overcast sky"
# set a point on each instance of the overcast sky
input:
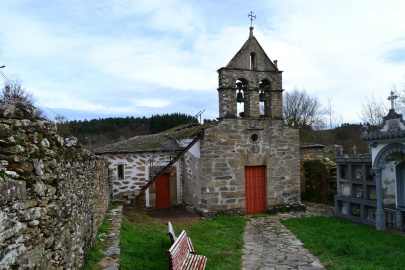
(97, 59)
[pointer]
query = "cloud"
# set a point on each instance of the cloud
(151, 103)
(99, 55)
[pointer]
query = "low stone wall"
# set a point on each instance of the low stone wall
(53, 193)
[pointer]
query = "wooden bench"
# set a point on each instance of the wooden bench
(173, 237)
(181, 254)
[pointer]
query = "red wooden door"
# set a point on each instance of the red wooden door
(255, 189)
(162, 192)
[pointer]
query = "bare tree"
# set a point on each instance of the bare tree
(373, 111)
(334, 118)
(301, 110)
(400, 103)
(13, 90)
(63, 125)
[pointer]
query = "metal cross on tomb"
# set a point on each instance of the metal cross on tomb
(392, 98)
(252, 17)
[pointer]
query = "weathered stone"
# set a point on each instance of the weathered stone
(21, 205)
(11, 190)
(11, 255)
(22, 167)
(5, 130)
(40, 188)
(70, 141)
(38, 166)
(15, 149)
(44, 143)
(18, 110)
(5, 222)
(33, 213)
(14, 230)
(33, 223)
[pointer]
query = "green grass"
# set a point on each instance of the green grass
(259, 215)
(144, 242)
(346, 245)
(95, 255)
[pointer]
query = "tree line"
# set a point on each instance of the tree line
(109, 124)
(157, 123)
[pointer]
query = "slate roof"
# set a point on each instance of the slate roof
(150, 143)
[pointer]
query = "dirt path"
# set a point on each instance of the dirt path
(176, 214)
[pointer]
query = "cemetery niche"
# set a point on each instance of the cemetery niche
(371, 188)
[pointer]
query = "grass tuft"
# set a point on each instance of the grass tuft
(341, 244)
(100, 243)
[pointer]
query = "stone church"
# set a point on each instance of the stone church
(245, 163)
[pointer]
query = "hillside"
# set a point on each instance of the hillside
(103, 131)
(347, 135)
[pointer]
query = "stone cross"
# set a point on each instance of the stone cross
(252, 17)
(392, 98)
(354, 149)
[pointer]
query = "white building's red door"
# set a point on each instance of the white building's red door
(163, 192)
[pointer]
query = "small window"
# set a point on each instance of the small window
(120, 171)
(253, 61)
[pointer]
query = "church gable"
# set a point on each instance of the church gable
(252, 57)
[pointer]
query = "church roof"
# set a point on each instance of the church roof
(242, 58)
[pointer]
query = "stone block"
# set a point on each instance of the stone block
(33, 213)
(237, 182)
(11, 254)
(16, 229)
(276, 188)
(11, 190)
(275, 200)
(212, 201)
(236, 194)
(237, 206)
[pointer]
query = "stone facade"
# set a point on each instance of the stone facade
(54, 194)
(228, 148)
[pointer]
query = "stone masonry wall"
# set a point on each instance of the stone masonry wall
(192, 176)
(53, 193)
(230, 146)
(227, 93)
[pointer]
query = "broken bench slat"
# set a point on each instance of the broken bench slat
(170, 233)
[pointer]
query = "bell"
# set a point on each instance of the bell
(239, 85)
(262, 96)
(239, 97)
